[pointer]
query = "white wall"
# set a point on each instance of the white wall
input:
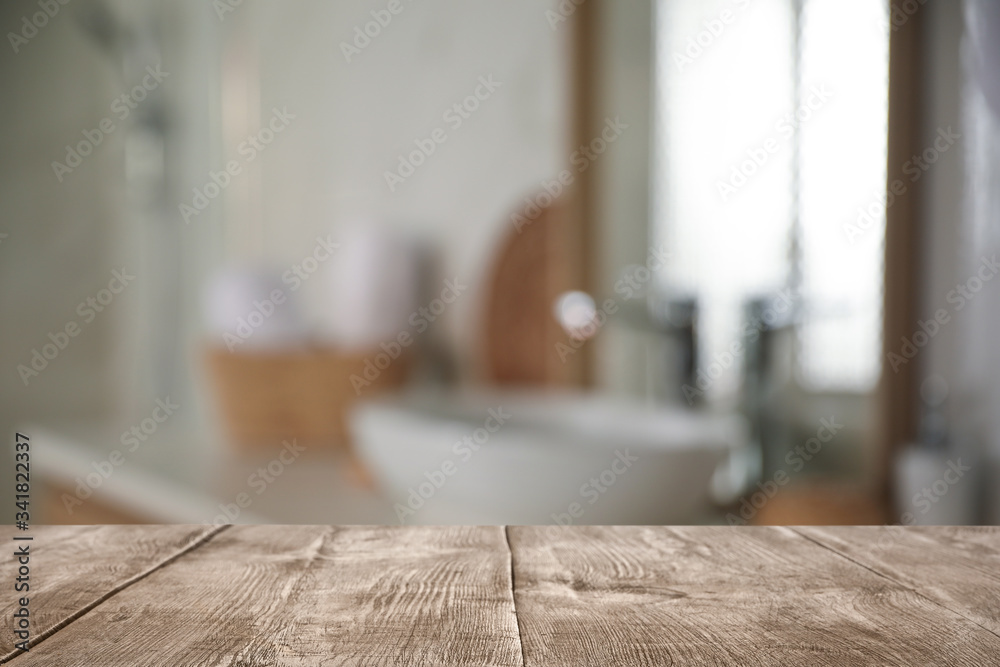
(64, 239)
(354, 118)
(61, 236)
(978, 356)
(961, 214)
(625, 88)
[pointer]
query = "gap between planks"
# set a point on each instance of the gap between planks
(513, 593)
(892, 579)
(207, 536)
(38, 639)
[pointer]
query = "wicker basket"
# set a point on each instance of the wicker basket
(267, 397)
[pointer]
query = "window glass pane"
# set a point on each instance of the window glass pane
(724, 193)
(844, 75)
(754, 130)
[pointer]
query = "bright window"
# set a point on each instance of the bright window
(771, 142)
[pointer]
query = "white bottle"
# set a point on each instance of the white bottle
(935, 485)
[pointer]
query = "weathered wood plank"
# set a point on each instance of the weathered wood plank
(71, 567)
(721, 596)
(957, 567)
(308, 595)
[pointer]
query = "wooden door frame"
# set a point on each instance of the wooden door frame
(897, 394)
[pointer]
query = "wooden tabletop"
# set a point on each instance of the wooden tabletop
(255, 596)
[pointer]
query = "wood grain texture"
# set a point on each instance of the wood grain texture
(72, 567)
(721, 596)
(957, 567)
(255, 596)
(520, 333)
(308, 595)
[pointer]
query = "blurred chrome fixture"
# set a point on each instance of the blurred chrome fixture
(677, 318)
(768, 335)
(576, 312)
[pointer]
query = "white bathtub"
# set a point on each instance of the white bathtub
(562, 458)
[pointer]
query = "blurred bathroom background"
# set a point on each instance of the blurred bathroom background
(529, 261)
